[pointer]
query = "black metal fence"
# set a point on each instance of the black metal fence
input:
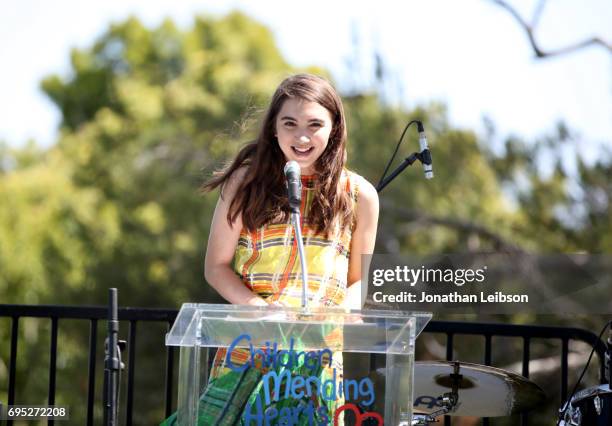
(92, 314)
(56, 314)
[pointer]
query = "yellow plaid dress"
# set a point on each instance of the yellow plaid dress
(267, 261)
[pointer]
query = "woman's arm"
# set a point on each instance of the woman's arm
(222, 243)
(362, 241)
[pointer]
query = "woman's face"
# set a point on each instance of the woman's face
(302, 130)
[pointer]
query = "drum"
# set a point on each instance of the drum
(590, 407)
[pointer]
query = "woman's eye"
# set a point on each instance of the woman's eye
(289, 124)
(315, 125)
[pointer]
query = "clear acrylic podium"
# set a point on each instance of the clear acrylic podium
(202, 326)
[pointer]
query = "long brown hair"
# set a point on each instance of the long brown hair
(261, 196)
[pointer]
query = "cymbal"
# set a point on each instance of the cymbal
(483, 391)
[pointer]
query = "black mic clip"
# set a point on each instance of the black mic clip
(424, 156)
(294, 186)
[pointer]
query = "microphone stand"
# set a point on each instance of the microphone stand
(423, 156)
(295, 220)
(112, 362)
(608, 358)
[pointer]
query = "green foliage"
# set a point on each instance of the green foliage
(155, 115)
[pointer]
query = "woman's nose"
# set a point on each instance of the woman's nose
(303, 138)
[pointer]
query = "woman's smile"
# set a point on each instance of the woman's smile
(302, 151)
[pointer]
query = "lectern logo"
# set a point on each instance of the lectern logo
(359, 417)
(281, 384)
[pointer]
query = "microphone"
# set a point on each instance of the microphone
(294, 185)
(425, 153)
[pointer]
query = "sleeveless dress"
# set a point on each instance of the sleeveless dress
(268, 263)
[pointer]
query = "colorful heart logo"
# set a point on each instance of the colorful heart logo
(359, 417)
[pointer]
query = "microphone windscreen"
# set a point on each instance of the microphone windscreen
(292, 169)
(294, 185)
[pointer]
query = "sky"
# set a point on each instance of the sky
(468, 54)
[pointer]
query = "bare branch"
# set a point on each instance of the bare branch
(530, 29)
(538, 13)
(415, 216)
(579, 45)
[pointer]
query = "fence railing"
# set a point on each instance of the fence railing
(93, 314)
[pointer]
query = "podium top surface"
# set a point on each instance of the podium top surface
(370, 331)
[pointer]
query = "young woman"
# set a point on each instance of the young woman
(252, 256)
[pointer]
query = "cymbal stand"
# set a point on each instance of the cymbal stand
(448, 401)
